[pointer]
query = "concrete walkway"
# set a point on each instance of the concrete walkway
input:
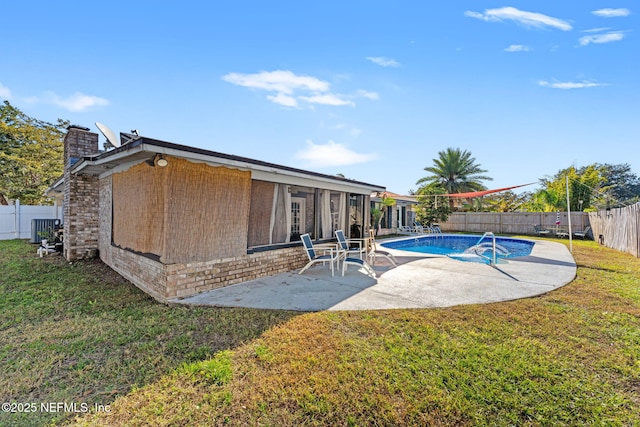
(419, 281)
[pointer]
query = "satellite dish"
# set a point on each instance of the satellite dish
(108, 133)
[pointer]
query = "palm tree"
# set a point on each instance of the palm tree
(456, 171)
(377, 214)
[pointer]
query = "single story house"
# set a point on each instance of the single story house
(403, 212)
(177, 220)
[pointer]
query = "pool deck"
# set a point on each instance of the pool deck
(419, 281)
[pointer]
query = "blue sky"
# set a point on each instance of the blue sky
(372, 90)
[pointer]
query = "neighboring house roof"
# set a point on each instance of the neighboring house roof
(377, 196)
(140, 149)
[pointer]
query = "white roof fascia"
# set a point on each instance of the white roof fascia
(259, 172)
(82, 164)
(272, 174)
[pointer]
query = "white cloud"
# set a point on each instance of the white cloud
(327, 99)
(280, 81)
(331, 154)
(596, 30)
(477, 15)
(613, 36)
(283, 99)
(517, 48)
(570, 85)
(383, 61)
(529, 19)
(5, 92)
(611, 13)
(77, 102)
(291, 90)
(367, 94)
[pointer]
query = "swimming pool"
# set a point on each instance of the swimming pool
(464, 247)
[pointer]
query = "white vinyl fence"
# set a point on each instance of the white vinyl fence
(15, 221)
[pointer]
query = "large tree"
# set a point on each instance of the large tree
(586, 190)
(432, 208)
(623, 185)
(456, 171)
(31, 155)
(506, 201)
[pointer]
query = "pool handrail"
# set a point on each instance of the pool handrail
(493, 237)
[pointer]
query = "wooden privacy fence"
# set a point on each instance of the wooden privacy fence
(512, 222)
(15, 220)
(618, 228)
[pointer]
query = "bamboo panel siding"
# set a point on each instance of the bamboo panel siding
(138, 208)
(618, 228)
(206, 211)
(260, 212)
(183, 212)
(106, 219)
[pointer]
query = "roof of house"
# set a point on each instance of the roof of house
(139, 148)
(397, 197)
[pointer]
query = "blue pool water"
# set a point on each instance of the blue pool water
(465, 247)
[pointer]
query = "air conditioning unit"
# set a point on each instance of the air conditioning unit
(44, 229)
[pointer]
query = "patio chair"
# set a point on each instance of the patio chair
(344, 250)
(582, 234)
(351, 246)
(405, 229)
(373, 251)
(541, 231)
(315, 257)
(360, 263)
(426, 229)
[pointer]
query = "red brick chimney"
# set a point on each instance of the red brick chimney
(81, 196)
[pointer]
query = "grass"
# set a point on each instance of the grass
(79, 333)
(571, 357)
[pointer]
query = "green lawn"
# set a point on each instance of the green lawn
(78, 333)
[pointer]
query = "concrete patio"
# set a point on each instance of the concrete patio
(419, 281)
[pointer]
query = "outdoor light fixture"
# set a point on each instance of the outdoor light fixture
(160, 161)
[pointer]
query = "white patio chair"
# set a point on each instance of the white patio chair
(351, 246)
(316, 257)
(344, 250)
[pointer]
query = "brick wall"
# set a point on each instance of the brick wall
(145, 273)
(167, 281)
(81, 197)
(193, 278)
